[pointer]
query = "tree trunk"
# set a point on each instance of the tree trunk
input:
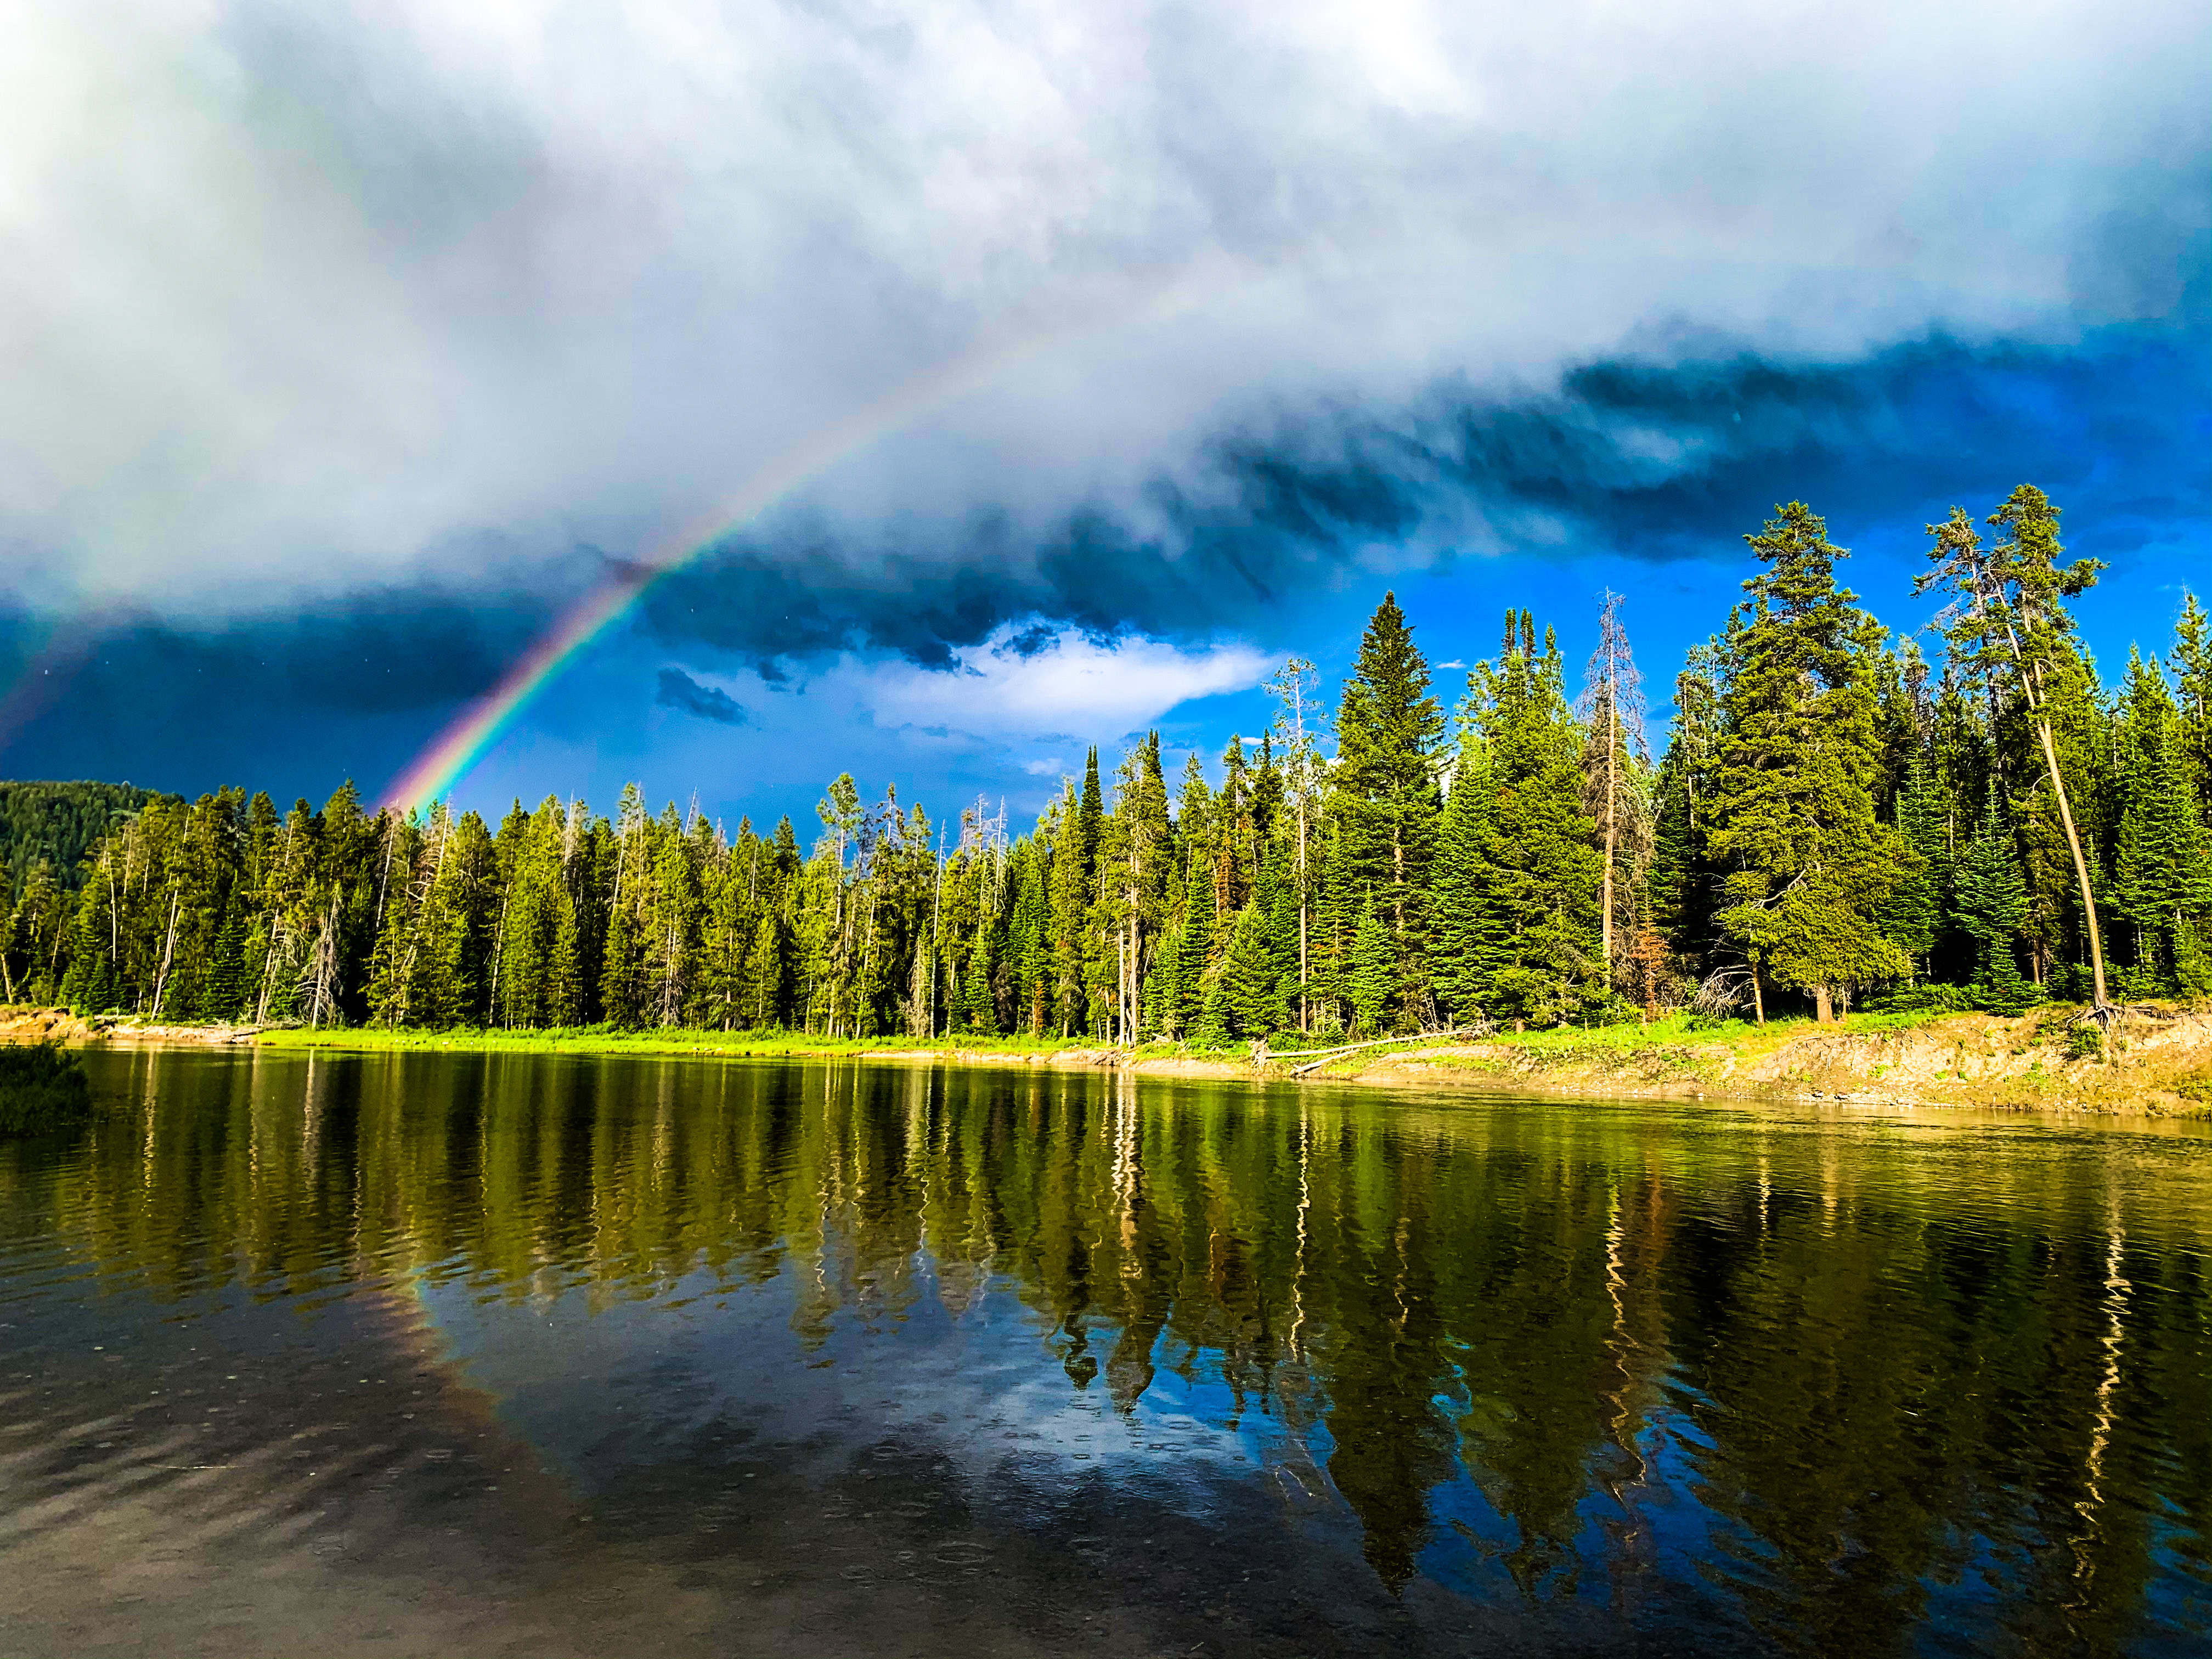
(2080, 865)
(1758, 1002)
(1304, 1023)
(2031, 684)
(1824, 1005)
(168, 952)
(1612, 835)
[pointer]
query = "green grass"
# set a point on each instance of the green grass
(603, 1040)
(1627, 1036)
(1677, 1033)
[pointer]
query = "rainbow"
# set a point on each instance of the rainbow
(481, 724)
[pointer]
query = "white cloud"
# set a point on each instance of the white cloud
(319, 294)
(1074, 687)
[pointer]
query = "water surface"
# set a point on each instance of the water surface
(430, 1353)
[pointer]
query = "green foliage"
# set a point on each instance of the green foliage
(1859, 826)
(2161, 879)
(1374, 976)
(58, 825)
(1516, 914)
(1989, 903)
(1386, 801)
(1806, 867)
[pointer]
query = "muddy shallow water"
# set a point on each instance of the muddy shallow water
(487, 1353)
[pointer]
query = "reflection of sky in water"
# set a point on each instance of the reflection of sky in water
(598, 1382)
(1805, 1372)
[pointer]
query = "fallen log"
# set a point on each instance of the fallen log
(1328, 1055)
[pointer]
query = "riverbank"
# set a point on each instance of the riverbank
(2159, 1059)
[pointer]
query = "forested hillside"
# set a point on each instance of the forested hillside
(57, 824)
(1833, 818)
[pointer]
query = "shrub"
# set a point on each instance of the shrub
(1920, 999)
(41, 1087)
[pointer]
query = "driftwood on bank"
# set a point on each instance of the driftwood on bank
(1316, 1058)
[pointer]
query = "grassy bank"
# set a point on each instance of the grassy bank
(2159, 1061)
(2160, 1058)
(601, 1040)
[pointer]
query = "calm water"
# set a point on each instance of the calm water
(507, 1353)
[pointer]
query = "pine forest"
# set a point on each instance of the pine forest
(1837, 818)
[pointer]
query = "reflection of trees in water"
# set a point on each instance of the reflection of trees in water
(1878, 1386)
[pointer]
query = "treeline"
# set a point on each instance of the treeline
(56, 824)
(1831, 819)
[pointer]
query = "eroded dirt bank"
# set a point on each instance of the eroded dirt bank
(27, 1025)
(2160, 1061)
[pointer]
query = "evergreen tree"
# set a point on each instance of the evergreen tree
(1683, 883)
(2008, 626)
(1387, 802)
(2191, 662)
(1251, 977)
(764, 992)
(2160, 885)
(1194, 947)
(1372, 983)
(1807, 866)
(1990, 904)
(1913, 915)
(1518, 895)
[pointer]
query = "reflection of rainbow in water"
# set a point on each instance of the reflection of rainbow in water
(464, 742)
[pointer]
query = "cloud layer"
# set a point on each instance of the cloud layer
(323, 297)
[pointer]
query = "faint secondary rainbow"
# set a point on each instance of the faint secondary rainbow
(463, 742)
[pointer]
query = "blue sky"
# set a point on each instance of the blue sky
(348, 348)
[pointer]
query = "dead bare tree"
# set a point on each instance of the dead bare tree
(1612, 712)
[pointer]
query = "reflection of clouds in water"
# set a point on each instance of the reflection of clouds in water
(984, 1387)
(1519, 1351)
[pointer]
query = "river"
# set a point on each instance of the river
(424, 1352)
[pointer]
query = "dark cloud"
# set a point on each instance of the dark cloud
(440, 295)
(680, 691)
(560, 274)
(1667, 451)
(1030, 641)
(363, 684)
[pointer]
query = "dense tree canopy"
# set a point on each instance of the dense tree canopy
(1829, 820)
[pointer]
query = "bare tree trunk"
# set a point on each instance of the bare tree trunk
(168, 953)
(1121, 982)
(267, 967)
(1758, 1002)
(1304, 971)
(1612, 835)
(499, 955)
(936, 909)
(2031, 685)
(2080, 865)
(326, 951)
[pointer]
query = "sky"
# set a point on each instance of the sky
(930, 391)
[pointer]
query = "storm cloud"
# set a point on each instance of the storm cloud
(323, 296)
(975, 347)
(1654, 454)
(678, 690)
